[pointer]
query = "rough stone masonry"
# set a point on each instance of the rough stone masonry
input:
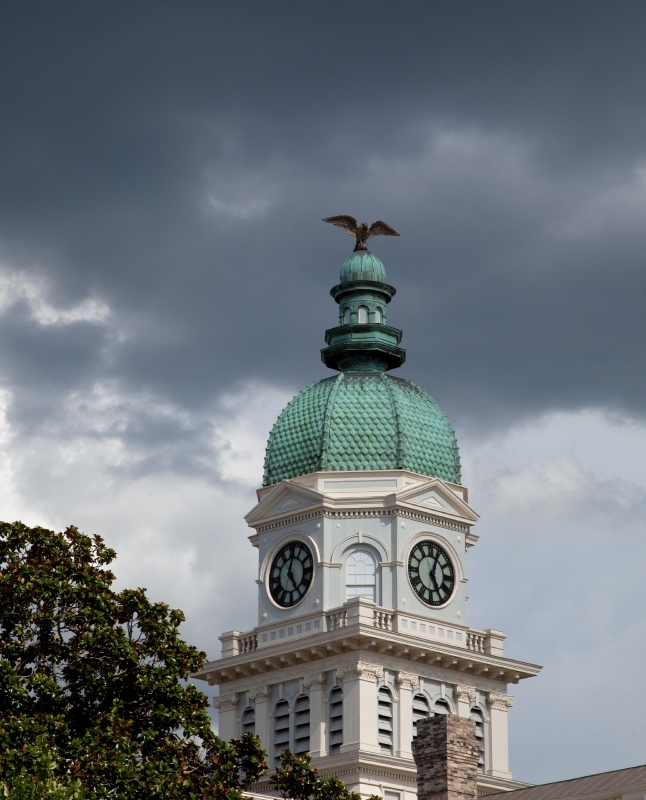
(446, 752)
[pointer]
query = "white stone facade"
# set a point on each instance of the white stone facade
(346, 677)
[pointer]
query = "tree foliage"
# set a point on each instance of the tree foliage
(93, 695)
(95, 680)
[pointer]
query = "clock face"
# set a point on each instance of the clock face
(431, 573)
(291, 574)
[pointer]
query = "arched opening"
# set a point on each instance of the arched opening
(281, 729)
(360, 575)
(248, 720)
(420, 711)
(385, 712)
(441, 707)
(346, 317)
(478, 717)
(335, 705)
(377, 315)
(302, 725)
(363, 315)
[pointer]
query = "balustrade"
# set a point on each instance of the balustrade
(247, 643)
(383, 620)
(337, 619)
(476, 642)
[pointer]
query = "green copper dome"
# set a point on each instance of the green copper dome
(362, 421)
(362, 265)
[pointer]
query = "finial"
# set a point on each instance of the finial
(361, 231)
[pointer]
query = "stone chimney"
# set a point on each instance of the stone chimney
(446, 752)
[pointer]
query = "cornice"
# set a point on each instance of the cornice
(357, 513)
(357, 638)
(311, 675)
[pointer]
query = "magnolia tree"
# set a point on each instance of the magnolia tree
(94, 701)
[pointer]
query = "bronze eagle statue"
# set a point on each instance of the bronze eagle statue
(362, 231)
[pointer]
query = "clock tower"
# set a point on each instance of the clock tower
(362, 530)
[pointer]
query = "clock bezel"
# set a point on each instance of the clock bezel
(453, 560)
(278, 547)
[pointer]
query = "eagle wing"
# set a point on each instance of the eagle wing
(344, 221)
(380, 228)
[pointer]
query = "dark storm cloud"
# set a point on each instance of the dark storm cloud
(174, 159)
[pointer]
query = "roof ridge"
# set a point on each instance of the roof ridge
(580, 778)
(325, 433)
(399, 456)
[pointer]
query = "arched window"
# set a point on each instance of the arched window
(302, 725)
(363, 315)
(441, 707)
(377, 315)
(336, 719)
(346, 317)
(281, 729)
(248, 720)
(385, 711)
(360, 575)
(420, 711)
(478, 717)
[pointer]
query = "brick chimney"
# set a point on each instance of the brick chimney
(446, 752)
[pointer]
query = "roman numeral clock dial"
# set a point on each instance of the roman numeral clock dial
(431, 573)
(291, 574)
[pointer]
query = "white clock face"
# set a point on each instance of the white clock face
(431, 573)
(291, 574)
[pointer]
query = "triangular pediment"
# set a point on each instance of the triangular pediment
(436, 496)
(285, 498)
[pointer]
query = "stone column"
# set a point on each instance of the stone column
(261, 695)
(465, 696)
(360, 718)
(446, 752)
(405, 681)
(316, 684)
(227, 705)
(499, 734)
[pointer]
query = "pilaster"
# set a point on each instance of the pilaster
(316, 684)
(465, 696)
(406, 681)
(360, 718)
(499, 733)
(227, 705)
(261, 695)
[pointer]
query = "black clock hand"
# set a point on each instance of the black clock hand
(289, 574)
(431, 575)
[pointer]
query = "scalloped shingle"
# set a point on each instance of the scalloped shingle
(361, 421)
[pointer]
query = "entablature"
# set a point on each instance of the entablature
(384, 494)
(360, 625)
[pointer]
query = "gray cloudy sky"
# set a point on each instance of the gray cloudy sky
(164, 281)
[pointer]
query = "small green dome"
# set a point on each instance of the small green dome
(362, 265)
(362, 421)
